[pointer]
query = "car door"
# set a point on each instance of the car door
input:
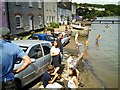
(46, 49)
(40, 38)
(46, 57)
(37, 54)
(29, 74)
(34, 53)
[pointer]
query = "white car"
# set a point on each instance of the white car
(66, 38)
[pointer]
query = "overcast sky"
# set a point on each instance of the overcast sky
(98, 1)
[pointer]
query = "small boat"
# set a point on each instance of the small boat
(78, 27)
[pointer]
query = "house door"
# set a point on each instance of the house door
(31, 22)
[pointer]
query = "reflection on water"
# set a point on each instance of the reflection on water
(104, 53)
(97, 44)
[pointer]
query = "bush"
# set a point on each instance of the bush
(54, 25)
(49, 28)
(57, 25)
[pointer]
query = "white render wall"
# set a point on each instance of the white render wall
(50, 12)
(73, 9)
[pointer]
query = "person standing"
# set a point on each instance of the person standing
(60, 46)
(8, 57)
(86, 45)
(72, 80)
(52, 32)
(55, 53)
(78, 44)
(66, 28)
(97, 37)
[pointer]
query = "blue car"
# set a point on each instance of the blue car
(42, 37)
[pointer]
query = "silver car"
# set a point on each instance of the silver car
(39, 52)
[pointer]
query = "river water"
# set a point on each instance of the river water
(104, 55)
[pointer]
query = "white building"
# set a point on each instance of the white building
(64, 11)
(74, 9)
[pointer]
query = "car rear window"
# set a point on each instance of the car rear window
(49, 38)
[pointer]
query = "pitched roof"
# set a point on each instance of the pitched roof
(65, 5)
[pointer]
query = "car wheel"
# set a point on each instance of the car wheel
(18, 84)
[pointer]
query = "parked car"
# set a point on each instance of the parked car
(42, 37)
(66, 38)
(38, 51)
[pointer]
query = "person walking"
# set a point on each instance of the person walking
(8, 57)
(60, 46)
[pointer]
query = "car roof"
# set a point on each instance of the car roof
(41, 34)
(60, 32)
(29, 43)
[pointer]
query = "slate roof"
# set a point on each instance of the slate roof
(65, 5)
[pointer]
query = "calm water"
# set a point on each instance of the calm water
(104, 55)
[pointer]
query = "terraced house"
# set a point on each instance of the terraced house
(64, 10)
(50, 11)
(24, 16)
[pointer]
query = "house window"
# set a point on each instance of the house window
(47, 19)
(50, 18)
(18, 21)
(30, 3)
(40, 18)
(39, 4)
(54, 18)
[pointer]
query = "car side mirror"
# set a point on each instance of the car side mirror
(33, 60)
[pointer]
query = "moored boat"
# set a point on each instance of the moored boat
(78, 27)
